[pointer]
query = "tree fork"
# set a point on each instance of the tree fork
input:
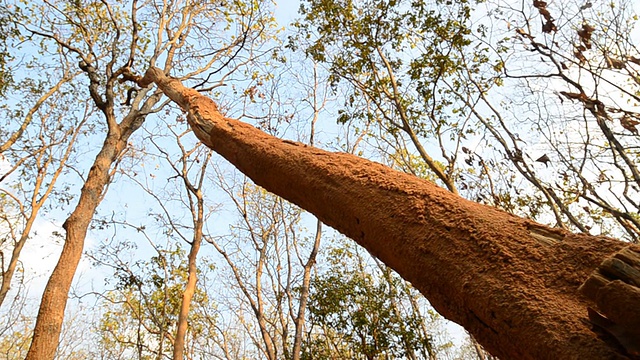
(509, 281)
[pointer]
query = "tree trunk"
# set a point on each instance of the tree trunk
(54, 300)
(510, 282)
(304, 294)
(190, 288)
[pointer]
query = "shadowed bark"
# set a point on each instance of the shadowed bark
(510, 282)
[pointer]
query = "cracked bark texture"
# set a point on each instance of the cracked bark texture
(510, 282)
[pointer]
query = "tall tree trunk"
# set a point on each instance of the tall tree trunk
(54, 300)
(48, 325)
(187, 296)
(304, 294)
(510, 282)
(190, 288)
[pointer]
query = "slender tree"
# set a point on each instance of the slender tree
(46, 155)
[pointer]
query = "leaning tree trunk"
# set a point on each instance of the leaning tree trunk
(509, 281)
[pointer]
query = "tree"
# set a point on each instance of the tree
(360, 311)
(510, 281)
(267, 259)
(441, 90)
(38, 139)
(553, 86)
(196, 208)
(45, 154)
(109, 41)
(143, 311)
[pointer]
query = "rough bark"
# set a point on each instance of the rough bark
(510, 282)
(615, 288)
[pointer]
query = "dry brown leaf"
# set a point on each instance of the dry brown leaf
(629, 124)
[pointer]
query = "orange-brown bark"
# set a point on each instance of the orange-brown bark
(48, 325)
(54, 299)
(510, 282)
